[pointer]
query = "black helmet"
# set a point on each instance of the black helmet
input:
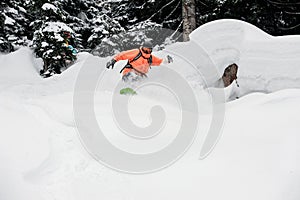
(148, 44)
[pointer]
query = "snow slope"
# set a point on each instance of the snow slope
(257, 156)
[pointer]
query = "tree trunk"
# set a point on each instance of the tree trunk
(189, 19)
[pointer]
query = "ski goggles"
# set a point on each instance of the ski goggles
(147, 50)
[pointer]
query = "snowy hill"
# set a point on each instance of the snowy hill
(257, 156)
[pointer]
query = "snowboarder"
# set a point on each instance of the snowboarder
(67, 36)
(139, 62)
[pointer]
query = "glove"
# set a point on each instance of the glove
(111, 64)
(169, 58)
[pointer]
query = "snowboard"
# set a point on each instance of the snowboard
(128, 91)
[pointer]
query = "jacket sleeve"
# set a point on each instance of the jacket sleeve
(130, 54)
(156, 61)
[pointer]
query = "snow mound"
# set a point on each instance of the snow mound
(266, 63)
(18, 68)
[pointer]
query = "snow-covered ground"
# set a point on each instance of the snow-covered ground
(256, 157)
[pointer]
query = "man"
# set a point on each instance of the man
(139, 62)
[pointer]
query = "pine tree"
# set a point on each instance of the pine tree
(5, 45)
(14, 22)
(134, 23)
(51, 43)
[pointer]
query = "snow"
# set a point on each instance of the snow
(58, 37)
(56, 27)
(49, 51)
(9, 20)
(49, 6)
(22, 9)
(12, 38)
(109, 42)
(257, 156)
(266, 63)
(44, 44)
(13, 11)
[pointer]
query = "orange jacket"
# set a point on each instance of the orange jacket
(141, 64)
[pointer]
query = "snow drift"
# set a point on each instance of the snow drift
(266, 63)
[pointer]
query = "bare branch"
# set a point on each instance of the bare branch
(292, 13)
(289, 28)
(161, 9)
(203, 3)
(283, 3)
(173, 10)
(177, 29)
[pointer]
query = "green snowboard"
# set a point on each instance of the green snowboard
(128, 91)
